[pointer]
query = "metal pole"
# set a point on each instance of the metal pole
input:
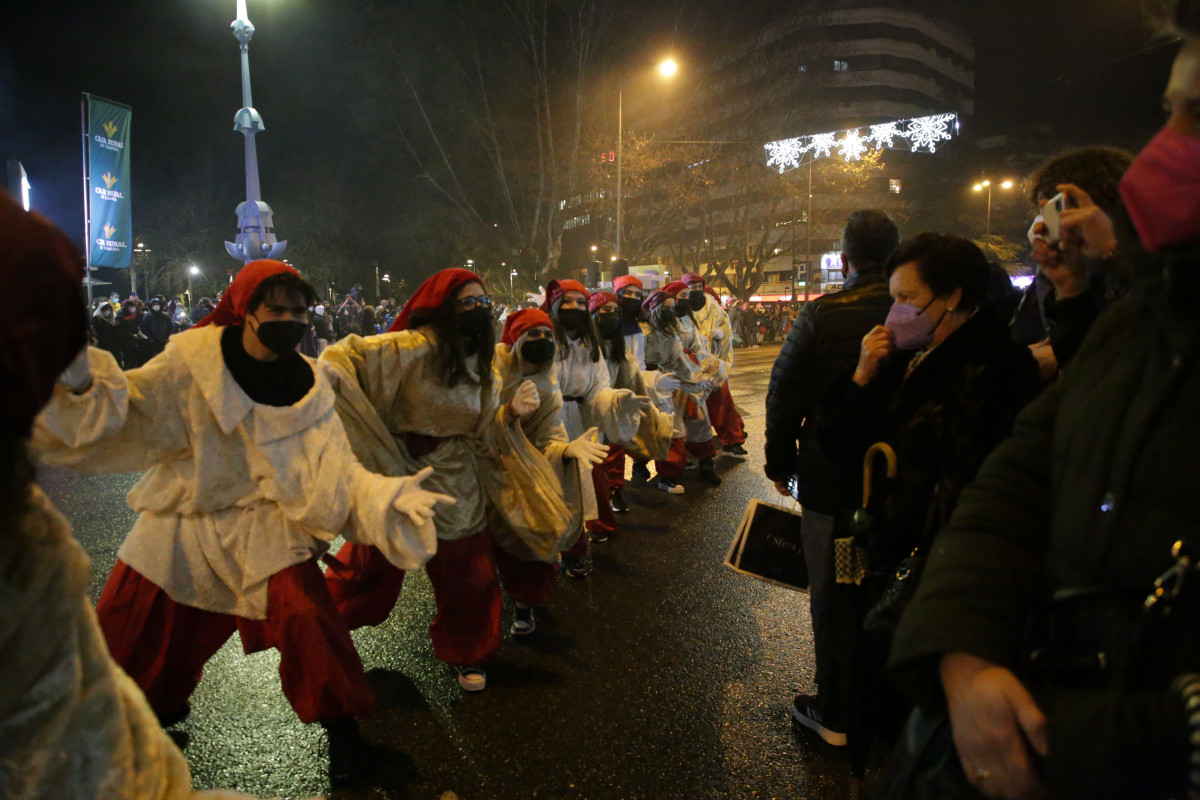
(87, 219)
(378, 294)
(620, 135)
(989, 212)
(808, 237)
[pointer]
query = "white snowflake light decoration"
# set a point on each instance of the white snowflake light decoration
(922, 134)
(852, 146)
(785, 154)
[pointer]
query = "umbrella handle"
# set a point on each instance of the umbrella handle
(879, 448)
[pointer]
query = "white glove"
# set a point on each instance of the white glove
(78, 375)
(630, 405)
(526, 400)
(418, 503)
(666, 383)
(586, 449)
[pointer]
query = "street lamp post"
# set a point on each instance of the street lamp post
(987, 184)
(256, 229)
(511, 292)
(667, 69)
(192, 271)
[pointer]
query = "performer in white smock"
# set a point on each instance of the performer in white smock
(713, 322)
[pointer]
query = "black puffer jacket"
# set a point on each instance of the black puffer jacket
(943, 419)
(821, 346)
(1097, 482)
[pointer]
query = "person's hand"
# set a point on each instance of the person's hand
(1043, 353)
(782, 488)
(1086, 226)
(78, 375)
(586, 449)
(666, 383)
(420, 505)
(876, 347)
(996, 723)
(1044, 254)
(525, 401)
(630, 405)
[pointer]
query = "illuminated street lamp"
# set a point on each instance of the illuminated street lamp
(511, 275)
(193, 270)
(667, 68)
(256, 229)
(979, 187)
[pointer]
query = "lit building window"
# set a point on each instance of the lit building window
(802, 68)
(841, 66)
(894, 185)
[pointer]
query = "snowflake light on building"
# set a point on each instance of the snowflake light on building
(852, 146)
(785, 154)
(921, 134)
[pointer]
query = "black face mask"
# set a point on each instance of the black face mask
(697, 300)
(475, 323)
(663, 318)
(573, 320)
(682, 310)
(631, 307)
(537, 351)
(281, 336)
(608, 324)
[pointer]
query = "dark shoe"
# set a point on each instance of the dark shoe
(349, 754)
(707, 473)
(806, 713)
(641, 472)
(670, 486)
(617, 500)
(524, 622)
(172, 718)
(580, 567)
(597, 536)
(734, 450)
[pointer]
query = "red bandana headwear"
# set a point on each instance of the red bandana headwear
(517, 324)
(600, 298)
(626, 280)
(711, 293)
(232, 308)
(690, 277)
(655, 299)
(675, 287)
(556, 289)
(44, 321)
(430, 295)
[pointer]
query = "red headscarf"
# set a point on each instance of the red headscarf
(675, 287)
(44, 323)
(232, 308)
(711, 293)
(432, 293)
(516, 324)
(655, 299)
(626, 280)
(691, 277)
(600, 298)
(556, 289)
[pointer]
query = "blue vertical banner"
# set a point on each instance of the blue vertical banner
(110, 213)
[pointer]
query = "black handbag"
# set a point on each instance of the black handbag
(924, 764)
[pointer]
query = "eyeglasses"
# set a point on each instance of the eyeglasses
(469, 303)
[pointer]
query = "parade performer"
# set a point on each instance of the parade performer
(588, 395)
(432, 400)
(249, 476)
(527, 352)
(675, 346)
(655, 432)
(73, 726)
(713, 322)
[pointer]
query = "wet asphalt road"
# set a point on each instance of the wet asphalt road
(665, 675)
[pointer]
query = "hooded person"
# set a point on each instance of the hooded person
(157, 327)
(104, 327)
(713, 322)
(249, 476)
(526, 352)
(675, 346)
(653, 437)
(424, 394)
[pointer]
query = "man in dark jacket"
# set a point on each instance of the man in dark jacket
(157, 328)
(821, 346)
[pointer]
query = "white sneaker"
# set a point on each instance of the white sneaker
(669, 486)
(524, 622)
(471, 678)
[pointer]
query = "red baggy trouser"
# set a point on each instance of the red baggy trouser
(163, 645)
(614, 467)
(607, 521)
(725, 417)
(677, 458)
(466, 627)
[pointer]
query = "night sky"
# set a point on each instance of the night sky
(1087, 68)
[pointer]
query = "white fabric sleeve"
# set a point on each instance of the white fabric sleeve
(604, 405)
(376, 522)
(126, 422)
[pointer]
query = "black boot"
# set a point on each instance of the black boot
(349, 753)
(707, 473)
